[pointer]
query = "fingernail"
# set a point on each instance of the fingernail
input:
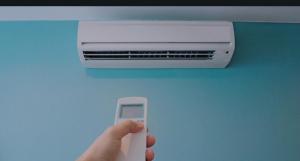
(140, 125)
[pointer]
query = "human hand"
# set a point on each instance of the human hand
(107, 146)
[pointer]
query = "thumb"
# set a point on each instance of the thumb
(125, 127)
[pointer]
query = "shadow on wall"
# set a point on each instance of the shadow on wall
(258, 46)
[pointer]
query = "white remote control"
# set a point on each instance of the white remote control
(133, 146)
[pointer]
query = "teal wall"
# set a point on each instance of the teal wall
(51, 108)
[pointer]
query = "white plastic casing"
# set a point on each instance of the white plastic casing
(102, 36)
(133, 146)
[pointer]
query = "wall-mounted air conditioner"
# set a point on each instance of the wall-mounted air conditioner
(155, 44)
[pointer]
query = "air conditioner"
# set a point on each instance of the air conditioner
(155, 44)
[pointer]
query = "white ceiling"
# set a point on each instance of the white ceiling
(252, 14)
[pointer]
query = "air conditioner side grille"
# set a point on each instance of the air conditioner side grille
(150, 55)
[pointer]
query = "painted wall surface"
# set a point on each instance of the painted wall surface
(51, 108)
(287, 14)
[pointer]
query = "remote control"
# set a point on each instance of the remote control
(133, 146)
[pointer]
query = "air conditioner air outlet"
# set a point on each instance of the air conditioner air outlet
(149, 55)
(151, 52)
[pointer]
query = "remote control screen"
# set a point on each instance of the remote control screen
(132, 111)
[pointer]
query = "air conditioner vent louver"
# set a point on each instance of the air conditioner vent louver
(150, 55)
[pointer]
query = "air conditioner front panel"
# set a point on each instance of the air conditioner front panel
(155, 31)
